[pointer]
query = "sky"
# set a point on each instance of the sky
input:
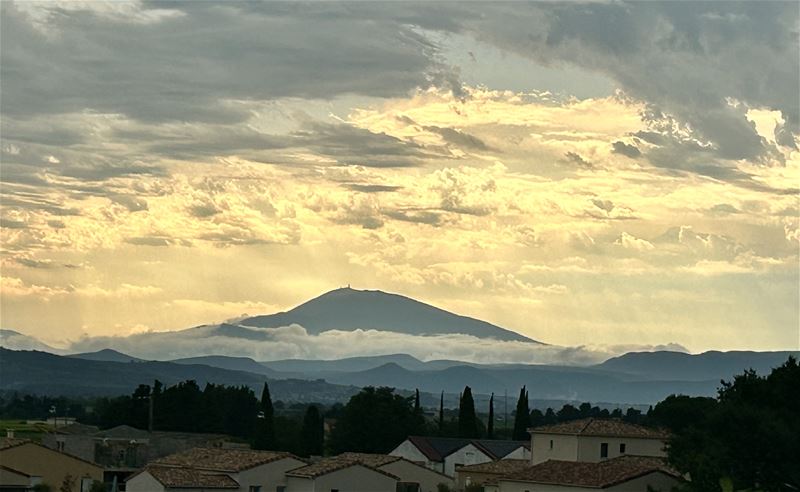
(582, 173)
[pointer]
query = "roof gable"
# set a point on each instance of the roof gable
(332, 465)
(181, 477)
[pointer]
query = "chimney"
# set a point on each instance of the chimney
(10, 433)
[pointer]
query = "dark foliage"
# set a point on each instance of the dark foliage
(374, 421)
(747, 438)
(313, 432)
(522, 417)
(467, 420)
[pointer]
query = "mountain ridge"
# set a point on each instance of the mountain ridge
(350, 309)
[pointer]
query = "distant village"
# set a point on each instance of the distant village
(381, 441)
(584, 454)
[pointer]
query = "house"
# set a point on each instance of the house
(23, 460)
(469, 475)
(443, 454)
(593, 440)
(123, 450)
(332, 475)
(413, 476)
(621, 474)
(245, 470)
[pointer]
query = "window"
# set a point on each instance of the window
(551, 444)
(280, 488)
(604, 450)
(334, 490)
(622, 448)
(255, 488)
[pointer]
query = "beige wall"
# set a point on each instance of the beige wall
(143, 482)
(468, 455)
(410, 472)
(410, 452)
(353, 479)
(660, 482)
(9, 478)
(51, 465)
(472, 478)
(268, 476)
(564, 448)
(589, 447)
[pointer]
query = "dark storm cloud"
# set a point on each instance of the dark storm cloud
(181, 68)
(458, 138)
(685, 58)
(627, 150)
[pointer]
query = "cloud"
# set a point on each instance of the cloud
(320, 53)
(626, 149)
(294, 342)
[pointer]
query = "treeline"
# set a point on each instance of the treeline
(747, 438)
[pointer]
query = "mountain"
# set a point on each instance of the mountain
(348, 364)
(233, 363)
(107, 355)
(350, 309)
(44, 373)
(15, 340)
(711, 365)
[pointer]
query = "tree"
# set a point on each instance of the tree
(490, 423)
(467, 420)
(313, 433)
(68, 485)
(522, 418)
(441, 412)
(374, 421)
(265, 427)
(746, 439)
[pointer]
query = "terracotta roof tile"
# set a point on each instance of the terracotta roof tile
(601, 427)
(330, 465)
(222, 459)
(594, 475)
(12, 442)
(181, 477)
(499, 467)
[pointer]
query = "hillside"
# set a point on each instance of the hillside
(349, 309)
(712, 365)
(44, 373)
(107, 355)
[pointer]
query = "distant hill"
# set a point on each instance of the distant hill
(349, 309)
(15, 340)
(107, 355)
(44, 373)
(694, 367)
(233, 363)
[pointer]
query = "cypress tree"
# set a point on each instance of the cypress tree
(522, 419)
(490, 424)
(265, 427)
(417, 409)
(467, 421)
(441, 412)
(313, 432)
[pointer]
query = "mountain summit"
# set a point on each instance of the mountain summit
(350, 309)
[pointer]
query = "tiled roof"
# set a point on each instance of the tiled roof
(12, 442)
(438, 448)
(499, 467)
(498, 449)
(181, 477)
(373, 460)
(222, 459)
(593, 475)
(601, 427)
(336, 463)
